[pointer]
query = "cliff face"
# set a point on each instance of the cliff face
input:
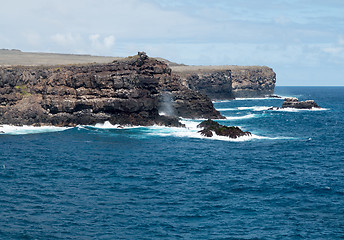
(214, 84)
(228, 82)
(252, 81)
(127, 91)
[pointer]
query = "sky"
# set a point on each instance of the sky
(302, 40)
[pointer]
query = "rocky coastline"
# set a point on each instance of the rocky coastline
(129, 91)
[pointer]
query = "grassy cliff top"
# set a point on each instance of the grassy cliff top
(16, 57)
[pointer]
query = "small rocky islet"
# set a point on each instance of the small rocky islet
(292, 102)
(210, 127)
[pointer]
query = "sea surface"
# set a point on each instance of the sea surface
(102, 182)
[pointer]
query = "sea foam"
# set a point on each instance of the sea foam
(20, 130)
(248, 116)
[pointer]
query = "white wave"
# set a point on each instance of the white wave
(243, 117)
(255, 108)
(245, 99)
(193, 133)
(222, 101)
(108, 125)
(189, 131)
(299, 110)
(25, 129)
(265, 108)
(226, 109)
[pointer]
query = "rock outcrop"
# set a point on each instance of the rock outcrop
(252, 81)
(126, 91)
(294, 103)
(216, 84)
(210, 127)
(228, 82)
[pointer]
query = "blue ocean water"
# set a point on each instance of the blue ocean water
(100, 182)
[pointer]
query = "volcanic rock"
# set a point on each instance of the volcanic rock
(127, 92)
(294, 103)
(228, 82)
(209, 126)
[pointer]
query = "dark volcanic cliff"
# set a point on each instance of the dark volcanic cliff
(216, 84)
(228, 82)
(127, 91)
(252, 81)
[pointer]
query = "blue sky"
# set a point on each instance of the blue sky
(302, 40)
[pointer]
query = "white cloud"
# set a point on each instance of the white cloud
(100, 44)
(109, 41)
(282, 20)
(67, 39)
(32, 38)
(341, 40)
(333, 50)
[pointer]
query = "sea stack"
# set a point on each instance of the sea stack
(210, 127)
(294, 103)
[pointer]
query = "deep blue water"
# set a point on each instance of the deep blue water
(150, 183)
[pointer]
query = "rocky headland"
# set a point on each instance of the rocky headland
(128, 91)
(217, 82)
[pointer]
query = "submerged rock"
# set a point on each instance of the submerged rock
(210, 127)
(294, 103)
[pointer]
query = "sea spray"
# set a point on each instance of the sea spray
(166, 104)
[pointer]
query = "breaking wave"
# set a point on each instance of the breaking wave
(265, 108)
(299, 110)
(20, 130)
(243, 117)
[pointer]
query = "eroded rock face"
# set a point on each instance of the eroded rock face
(216, 85)
(228, 82)
(294, 103)
(210, 127)
(126, 91)
(252, 81)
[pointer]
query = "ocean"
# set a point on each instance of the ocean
(286, 181)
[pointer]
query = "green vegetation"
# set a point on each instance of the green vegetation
(23, 90)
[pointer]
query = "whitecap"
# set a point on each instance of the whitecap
(222, 101)
(255, 108)
(226, 109)
(108, 125)
(189, 131)
(243, 117)
(27, 129)
(299, 110)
